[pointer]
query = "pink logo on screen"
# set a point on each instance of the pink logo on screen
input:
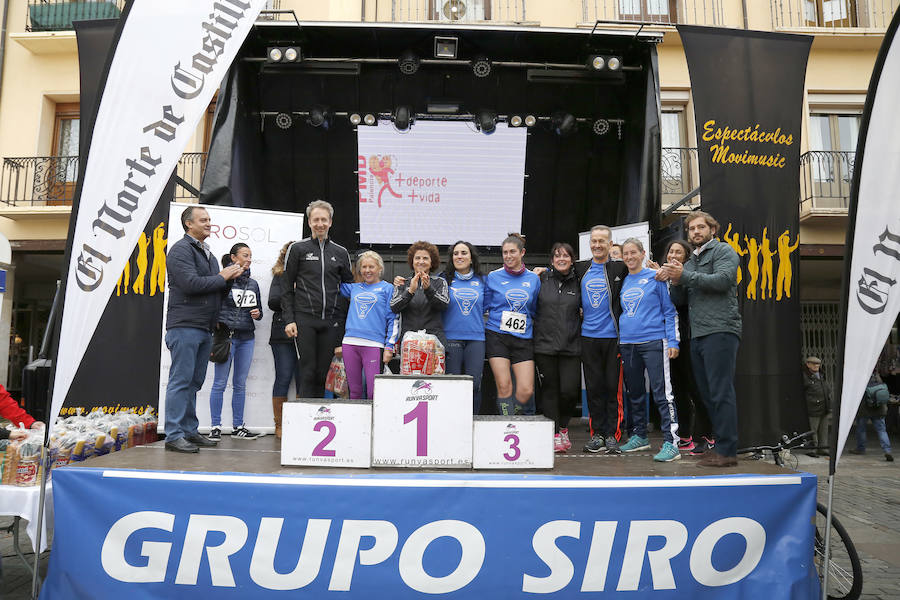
(375, 174)
(379, 173)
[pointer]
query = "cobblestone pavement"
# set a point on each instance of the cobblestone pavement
(866, 501)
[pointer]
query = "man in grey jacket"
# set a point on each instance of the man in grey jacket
(708, 281)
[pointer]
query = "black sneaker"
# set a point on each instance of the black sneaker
(215, 434)
(612, 446)
(242, 433)
(857, 451)
(889, 457)
(595, 445)
(704, 445)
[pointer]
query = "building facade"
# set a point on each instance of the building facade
(40, 116)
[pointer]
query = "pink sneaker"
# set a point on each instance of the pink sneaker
(564, 434)
(558, 445)
(686, 444)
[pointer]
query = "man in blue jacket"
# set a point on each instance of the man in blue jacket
(708, 282)
(195, 294)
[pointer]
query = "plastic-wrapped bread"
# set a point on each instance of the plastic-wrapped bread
(10, 463)
(29, 462)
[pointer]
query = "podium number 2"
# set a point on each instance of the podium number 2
(514, 452)
(419, 414)
(320, 450)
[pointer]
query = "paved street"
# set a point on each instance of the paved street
(866, 501)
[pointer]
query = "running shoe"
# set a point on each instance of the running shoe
(558, 445)
(667, 453)
(564, 434)
(215, 434)
(243, 433)
(595, 445)
(686, 444)
(636, 443)
(703, 446)
(612, 446)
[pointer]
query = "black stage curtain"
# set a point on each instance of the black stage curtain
(752, 83)
(572, 183)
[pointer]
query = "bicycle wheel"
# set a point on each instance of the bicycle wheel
(844, 569)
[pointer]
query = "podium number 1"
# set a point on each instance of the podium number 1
(419, 414)
(320, 450)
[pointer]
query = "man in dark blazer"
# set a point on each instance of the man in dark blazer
(195, 293)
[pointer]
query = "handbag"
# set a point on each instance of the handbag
(221, 345)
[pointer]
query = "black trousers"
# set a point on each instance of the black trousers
(693, 418)
(560, 386)
(600, 359)
(714, 358)
(316, 338)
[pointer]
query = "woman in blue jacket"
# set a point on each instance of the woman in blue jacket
(648, 339)
(240, 308)
(464, 317)
(372, 328)
(510, 299)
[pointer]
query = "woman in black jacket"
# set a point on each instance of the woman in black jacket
(284, 348)
(240, 308)
(557, 342)
(421, 298)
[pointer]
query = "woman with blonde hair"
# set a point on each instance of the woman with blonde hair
(284, 349)
(371, 330)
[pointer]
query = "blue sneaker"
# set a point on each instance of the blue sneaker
(636, 443)
(667, 453)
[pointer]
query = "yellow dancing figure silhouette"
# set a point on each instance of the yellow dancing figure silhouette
(143, 242)
(735, 242)
(752, 266)
(765, 251)
(785, 271)
(124, 278)
(158, 270)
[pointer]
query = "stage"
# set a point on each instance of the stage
(156, 524)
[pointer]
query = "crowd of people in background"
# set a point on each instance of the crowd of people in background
(638, 330)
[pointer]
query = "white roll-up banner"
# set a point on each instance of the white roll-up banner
(168, 62)
(440, 181)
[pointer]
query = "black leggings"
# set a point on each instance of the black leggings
(560, 386)
(693, 418)
(316, 339)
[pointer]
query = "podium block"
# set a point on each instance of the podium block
(330, 433)
(422, 421)
(513, 443)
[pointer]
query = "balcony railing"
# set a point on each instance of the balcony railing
(57, 15)
(832, 14)
(825, 177)
(669, 12)
(50, 180)
(458, 11)
(678, 174)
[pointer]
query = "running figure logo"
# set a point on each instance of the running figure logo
(596, 289)
(380, 168)
(364, 303)
(465, 298)
(517, 299)
(631, 299)
(421, 387)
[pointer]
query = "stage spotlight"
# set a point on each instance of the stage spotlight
(284, 120)
(274, 54)
(486, 121)
(596, 62)
(320, 116)
(445, 47)
(291, 54)
(408, 62)
(614, 63)
(515, 121)
(530, 121)
(601, 126)
(481, 66)
(355, 119)
(403, 117)
(370, 119)
(562, 123)
(454, 10)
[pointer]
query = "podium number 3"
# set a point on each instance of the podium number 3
(320, 450)
(419, 414)
(514, 452)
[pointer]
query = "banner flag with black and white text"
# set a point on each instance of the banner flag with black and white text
(168, 62)
(872, 279)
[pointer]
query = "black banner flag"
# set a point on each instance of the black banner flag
(747, 90)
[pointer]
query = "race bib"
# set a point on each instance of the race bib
(244, 298)
(513, 322)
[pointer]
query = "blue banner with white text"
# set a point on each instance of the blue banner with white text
(144, 534)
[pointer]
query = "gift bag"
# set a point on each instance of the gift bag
(421, 354)
(336, 380)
